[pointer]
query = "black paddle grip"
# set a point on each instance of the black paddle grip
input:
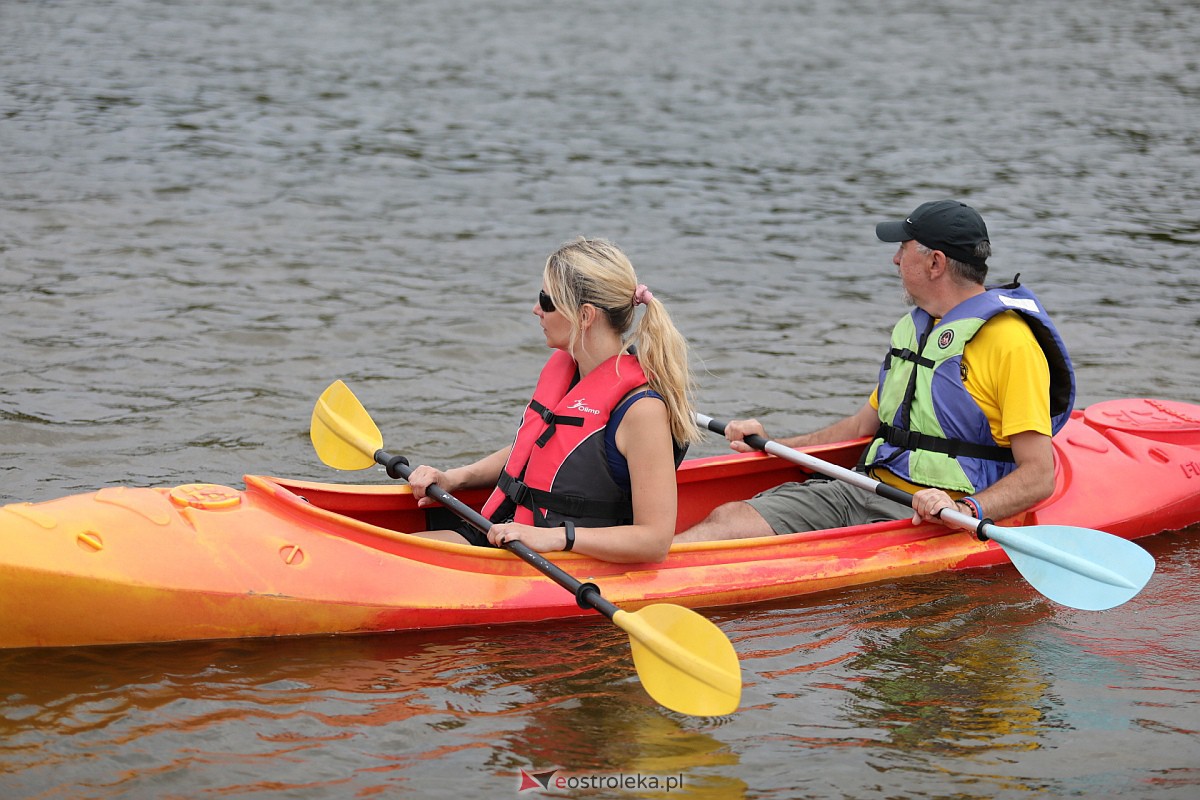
(756, 441)
(753, 440)
(892, 493)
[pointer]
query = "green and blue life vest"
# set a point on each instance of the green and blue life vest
(932, 432)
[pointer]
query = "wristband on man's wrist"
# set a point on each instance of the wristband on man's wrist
(973, 504)
(570, 527)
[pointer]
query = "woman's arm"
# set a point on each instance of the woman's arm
(483, 474)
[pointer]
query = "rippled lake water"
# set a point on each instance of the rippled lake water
(212, 210)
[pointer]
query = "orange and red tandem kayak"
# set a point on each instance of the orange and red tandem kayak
(289, 558)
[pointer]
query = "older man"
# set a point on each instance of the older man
(973, 386)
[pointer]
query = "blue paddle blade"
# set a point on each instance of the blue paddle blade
(1076, 567)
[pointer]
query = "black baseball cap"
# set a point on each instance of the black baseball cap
(947, 225)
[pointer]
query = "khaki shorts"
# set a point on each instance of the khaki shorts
(821, 503)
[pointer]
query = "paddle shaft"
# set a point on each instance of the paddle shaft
(980, 528)
(587, 595)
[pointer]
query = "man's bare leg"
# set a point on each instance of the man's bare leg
(736, 520)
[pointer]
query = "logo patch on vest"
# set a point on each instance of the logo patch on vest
(581, 405)
(945, 339)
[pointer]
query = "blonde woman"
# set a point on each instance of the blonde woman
(592, 468)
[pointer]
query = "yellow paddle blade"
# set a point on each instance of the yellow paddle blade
(342, 432)
(685, 661)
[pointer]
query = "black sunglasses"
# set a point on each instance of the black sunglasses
(545, 302)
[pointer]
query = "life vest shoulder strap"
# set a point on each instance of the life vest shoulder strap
(552, 421)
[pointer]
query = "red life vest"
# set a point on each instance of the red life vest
(557, 468)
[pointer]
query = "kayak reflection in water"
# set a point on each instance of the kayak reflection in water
(974, 385)
(592, 468)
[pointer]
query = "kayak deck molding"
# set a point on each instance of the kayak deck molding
(289, 557)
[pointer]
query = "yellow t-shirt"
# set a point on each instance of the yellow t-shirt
(1009, 377)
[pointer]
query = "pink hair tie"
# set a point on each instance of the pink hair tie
(642, 295)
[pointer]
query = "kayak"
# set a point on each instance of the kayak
(286, 557)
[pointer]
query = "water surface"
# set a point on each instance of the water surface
(210, 211)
